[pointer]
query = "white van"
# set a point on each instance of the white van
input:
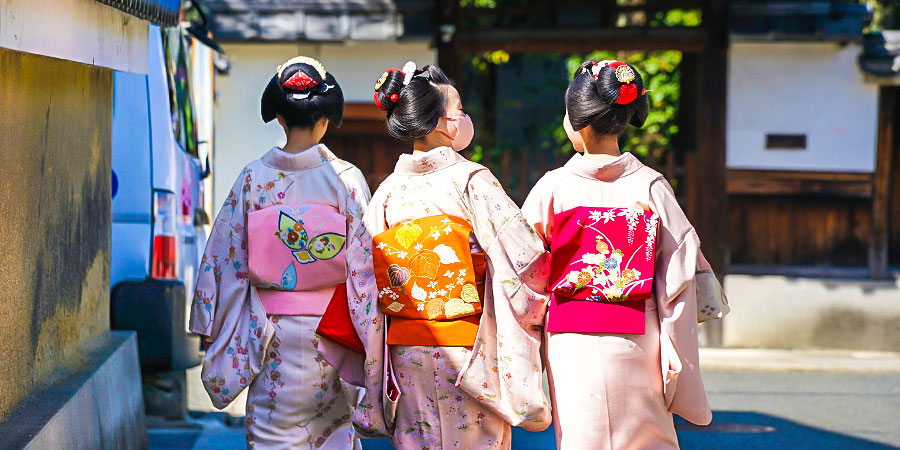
(159, 207)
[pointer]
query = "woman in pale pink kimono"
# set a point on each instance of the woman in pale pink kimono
(618, 367)
(274, 259)
(451, 359)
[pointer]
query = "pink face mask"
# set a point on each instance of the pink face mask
(459, 129)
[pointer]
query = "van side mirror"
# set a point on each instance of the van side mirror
(205, 172)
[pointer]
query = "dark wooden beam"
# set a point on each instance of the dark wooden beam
(711, 202)
(363, 111)
(887, 121)
(784, 182)
(686, 39)
(447, 29)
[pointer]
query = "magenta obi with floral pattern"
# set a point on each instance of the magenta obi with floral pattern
(296, 248)
(601, 269)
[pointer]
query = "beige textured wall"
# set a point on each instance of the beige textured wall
(55, 119)
(784, 312)
(86, 31)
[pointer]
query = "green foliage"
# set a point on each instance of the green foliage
(678, 17)
(478, 3)
(885, 15)
(496, 57)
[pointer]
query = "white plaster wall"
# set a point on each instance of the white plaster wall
(84, 31)
(241, 136)
(813, 88)
(789, 312)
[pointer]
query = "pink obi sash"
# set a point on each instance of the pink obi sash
(601, 270)
(296, 257)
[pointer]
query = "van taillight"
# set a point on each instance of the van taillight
(164, 256)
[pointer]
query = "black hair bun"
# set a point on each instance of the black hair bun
(413, 109)
(607, 96)
(303, 92)
(387, 89)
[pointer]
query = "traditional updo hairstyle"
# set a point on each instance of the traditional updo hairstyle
(303, 92)
(607, 96)
(414, 100)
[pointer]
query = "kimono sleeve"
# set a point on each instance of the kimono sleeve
(677, 250)
(538, 209)
(223, 284)
(347, 361)
(373, 411)
(356, 199)
(515, 252)
(504, 372)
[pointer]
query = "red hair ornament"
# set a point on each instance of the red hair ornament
(300, 82)
(378, 104)
(392, 97)
(627, 93)
(381, 80)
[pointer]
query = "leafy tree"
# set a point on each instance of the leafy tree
(651, 143)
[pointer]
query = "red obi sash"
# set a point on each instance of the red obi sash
(601, 270)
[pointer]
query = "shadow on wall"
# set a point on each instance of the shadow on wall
(736, 430)
(54, 216)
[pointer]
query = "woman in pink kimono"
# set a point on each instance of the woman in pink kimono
(274, 259)
(445, 289)
(621, 342)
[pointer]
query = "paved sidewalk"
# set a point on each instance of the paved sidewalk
(761, 359)
(761, 399)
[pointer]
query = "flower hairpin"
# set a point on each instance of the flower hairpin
(624, 73)
(409, 71)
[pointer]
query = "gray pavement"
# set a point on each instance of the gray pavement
(798, 410)
(824, 401)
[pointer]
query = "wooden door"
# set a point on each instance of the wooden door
(364, 141)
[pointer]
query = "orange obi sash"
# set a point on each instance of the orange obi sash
(426, 276)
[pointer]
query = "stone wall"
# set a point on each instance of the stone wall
(55, 123)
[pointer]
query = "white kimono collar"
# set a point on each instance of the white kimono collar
(431, 161)
(310, 158)
(624, 165)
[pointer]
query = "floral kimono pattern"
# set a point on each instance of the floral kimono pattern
(614, 257)
(227, 310)
(501, 374)
(433, 252)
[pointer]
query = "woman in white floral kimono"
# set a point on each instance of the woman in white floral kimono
(274, 259)
(622, 322)
(445, 290)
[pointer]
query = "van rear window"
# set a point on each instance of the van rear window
(180, 100)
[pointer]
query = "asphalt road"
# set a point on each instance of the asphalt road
(752, 410)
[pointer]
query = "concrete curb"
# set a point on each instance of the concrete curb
(759, 359)
(97, 405)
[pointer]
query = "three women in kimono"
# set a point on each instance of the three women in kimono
(448, 283)
(274, 259)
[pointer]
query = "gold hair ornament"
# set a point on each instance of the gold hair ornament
(382, 80)
(624, 74)
(303, 60)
